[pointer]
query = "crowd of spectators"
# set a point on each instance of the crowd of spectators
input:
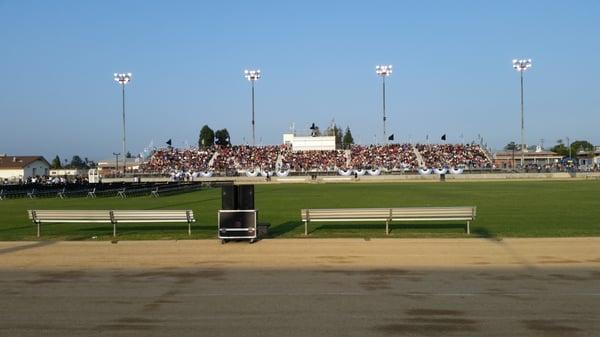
(265, 158)
(300, 161)
(246, 157)
(166, 161)
(394, 156)
(452, 155)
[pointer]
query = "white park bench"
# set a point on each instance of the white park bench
(388, 215)
(111, 216)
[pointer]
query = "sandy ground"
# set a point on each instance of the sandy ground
(302, 287)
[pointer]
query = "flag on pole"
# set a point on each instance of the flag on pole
(169, 142)
(391, 137)
(444, 136)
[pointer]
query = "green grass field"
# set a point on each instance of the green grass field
(505, 209)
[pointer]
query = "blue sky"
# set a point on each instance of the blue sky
(452, 71)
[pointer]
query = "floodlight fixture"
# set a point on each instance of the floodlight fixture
(252, 75)
(521, 65)
(383, 70)
(122, 78)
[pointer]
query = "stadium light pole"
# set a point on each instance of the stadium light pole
(123, 79)
(252, 76)
(521, 66)
(383, 71)
(117, 161)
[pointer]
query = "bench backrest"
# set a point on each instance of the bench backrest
(433, 212)
(389, 213)
(141, 215)
(346, 213)
(110, 216)
(50, 215)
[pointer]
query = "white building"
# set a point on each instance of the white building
(14, 168)
(109, 166)
(68, 173)
(309, 143)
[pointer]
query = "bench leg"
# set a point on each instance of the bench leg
(38, 229)
(387, 228)
(468, 229)
(189, 228)
(305, 228)
(114, 229)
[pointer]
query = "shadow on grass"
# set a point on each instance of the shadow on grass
(10, 229)
(286, 227)
(56, 231)
(486, 234)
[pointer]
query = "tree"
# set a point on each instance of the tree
(560, 148)
(581, 145)
(337, 133)
(338, 137)
(512, 146)
(222, 137)
(207, 137)
(56, 163)
(77, 162)
(347, 140)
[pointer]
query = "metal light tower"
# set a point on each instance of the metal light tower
(521, 66)
(123, 79)
(116, 162)
(384, 71)
(252, 76)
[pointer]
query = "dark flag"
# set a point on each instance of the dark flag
(444, 136)
(313, 127)
(391, 137)
(169, 142)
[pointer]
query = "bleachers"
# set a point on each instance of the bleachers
(392, 157)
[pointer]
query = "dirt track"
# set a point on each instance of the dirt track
(312, 287)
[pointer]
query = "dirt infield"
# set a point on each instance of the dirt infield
(302, 287)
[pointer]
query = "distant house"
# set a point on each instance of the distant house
(106, 167)
(22, 167)
(506, 159)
